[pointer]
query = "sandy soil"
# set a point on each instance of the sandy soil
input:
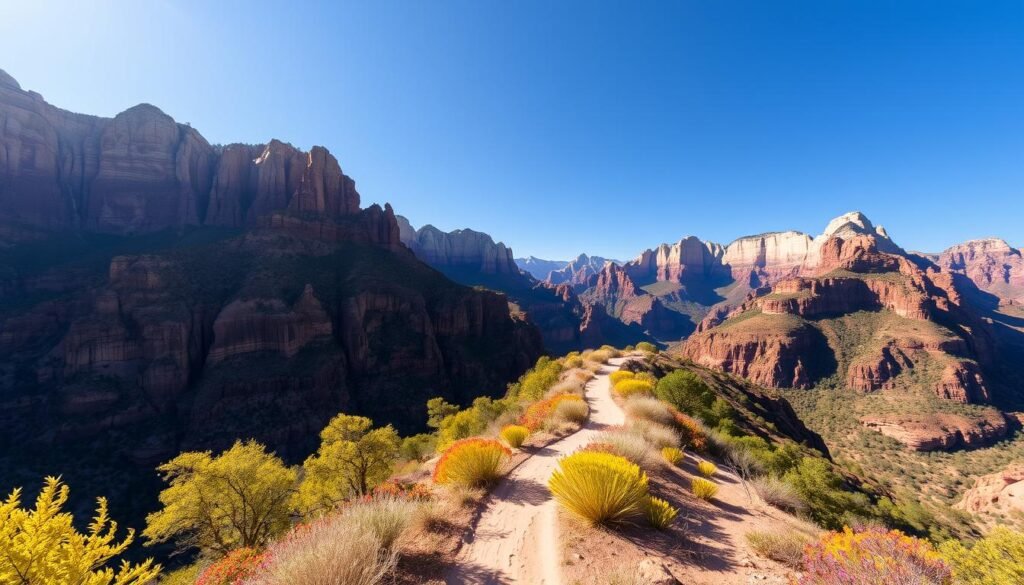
(516, 539)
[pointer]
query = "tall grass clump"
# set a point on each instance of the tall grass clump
(627, 444)
(672, 455)
(387, 518)
(627, 388)
(779, 494)
(707, 468)
(514, 435)
(873, 556)
(330, 551)
(572, 411)
(539, 412)
(656, 435)
(471, 462)
(660, 513)
(784, 547)
(598, 356)
(600, 487)
(703, 488)
(649, 408)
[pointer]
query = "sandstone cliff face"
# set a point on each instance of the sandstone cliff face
(459, 251)
(997, 495)
(933, 432)
(992, 264)
(143, 172)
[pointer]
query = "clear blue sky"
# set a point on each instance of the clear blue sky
(604, 127)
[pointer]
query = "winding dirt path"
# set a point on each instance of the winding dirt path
(516, 539)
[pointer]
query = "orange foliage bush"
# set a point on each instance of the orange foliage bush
(539, 411)
(690, 431)
(233, 569)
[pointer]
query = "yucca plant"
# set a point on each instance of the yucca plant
(660, 513)
(514, 435)
(703, 488)
(471, 462)
(707, 468)
(600, 487)
(672, 455)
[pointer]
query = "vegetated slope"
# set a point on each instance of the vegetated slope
(159, 293)
(886, 348)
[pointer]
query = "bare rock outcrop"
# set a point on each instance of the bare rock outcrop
(462, 250)
(992, 264)
(996, 495)
(579, 273)
(940, 431)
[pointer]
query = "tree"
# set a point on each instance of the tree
(439, 409)
(241, 498)
(41, 546)
(996, 559)
(352, 459)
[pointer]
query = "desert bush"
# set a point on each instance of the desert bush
(672, 455)
(628, 444)
(872, 556)
(598, 356)
(181, 576)
(42, 546)
(660, 513)
(599, 487)
(649, 408)
(778, 493)
(537, 381)
(690, 431)
(620, 375)
(707, 468)
(418, 447)
(571, 385)
(572, 411)
(403, 490)
(996, 559)
(471, 462)
(656, 435)
(829, 503)
(386, 518)
(686, 391)
(573, 360)
(703, 488)
(539, 412)
(514, 435)
(784, 547)
(612, 351)
(330, 551)
(233, 569)
(627, 388)
(647, 347)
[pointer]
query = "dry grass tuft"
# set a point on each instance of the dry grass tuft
(784, 547)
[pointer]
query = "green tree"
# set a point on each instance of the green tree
(353, 458)
(994, 560)
(439, 409)
(828, 501)
(41, 546)
(240, 498)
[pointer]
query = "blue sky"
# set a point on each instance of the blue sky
(604, 127)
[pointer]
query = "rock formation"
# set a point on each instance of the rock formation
(577, 273)
(933, 432)
(538, 267)
(997, 495)
(460, 251)
(992, 264)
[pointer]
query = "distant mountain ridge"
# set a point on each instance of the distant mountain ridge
(538, 267)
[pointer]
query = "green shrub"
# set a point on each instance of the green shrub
(418, 447)
(707, 468)
(537, 381)
(996, 559)
(471, 462)
(660, 513)
(685, 391)
(646, 347)
(703, 488)
(599, 487)
(829, 503)
(514, 435)
(672, 455)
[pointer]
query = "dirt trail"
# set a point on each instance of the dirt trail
(516, 538)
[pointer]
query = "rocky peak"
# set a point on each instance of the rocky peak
(7, 81)
(460, 250)
(578, 272)
(992, 264)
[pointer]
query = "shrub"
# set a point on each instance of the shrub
(536, 381)
(649, 408)
(996, 559)
(691, 431)
(707, 468)
(656, 435)
(828, 502)
(471, 462)
(406, 491)
(778, 493)
(233, 569)
(660, 513)
(330, 551)
(599, 487)
(537, 413)
(514, 435)
(612, 351)
(784, 547)
(418, 447)
(686, 391)
(672, 455)
(703, 488)
(573, 360)
(646, 347)
(632, 446)
(183, 576)
(872, 556)
(385, 518)
(620, 375)
(627, 388)
(41, 545)
(573, 411)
